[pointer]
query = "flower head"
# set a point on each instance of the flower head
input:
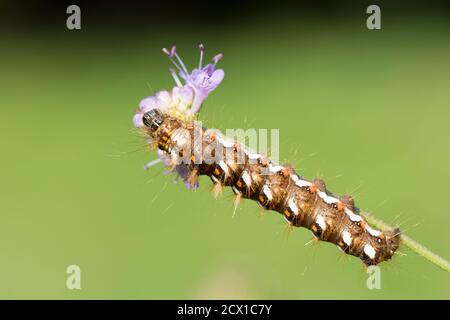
(185, 98)
(202, 80)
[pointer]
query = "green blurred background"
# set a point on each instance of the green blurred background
(368, 111)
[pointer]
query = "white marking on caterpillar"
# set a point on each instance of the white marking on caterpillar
(224, 166)
(228, 144)
(353, 217)
(236, 191)
(299, 182)
(246, 178)
(369, 251)
(373, 232)
(254, 156)
(215, 179)
(328, 199)
(275, 169)
(287, 220)
(266, 190)
(225, 143)
(347, 237)
(293, 206)
(320, 220)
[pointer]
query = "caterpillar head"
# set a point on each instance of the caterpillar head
(382, 249)
(153, 119)
(392, 242)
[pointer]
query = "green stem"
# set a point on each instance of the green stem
(410, 243)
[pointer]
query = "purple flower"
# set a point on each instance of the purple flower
(185, 98)
(182, 98)
(184, 173)
(182, 170)
(202, 80)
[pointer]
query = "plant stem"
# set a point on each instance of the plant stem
(410, 243)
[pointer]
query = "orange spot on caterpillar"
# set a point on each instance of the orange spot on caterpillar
(237, 146)
(320, 184)
(313, 188)
(287, 213)
(340, 206)
(216, 172)
(285, 171)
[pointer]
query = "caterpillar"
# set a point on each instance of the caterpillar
(169, 122)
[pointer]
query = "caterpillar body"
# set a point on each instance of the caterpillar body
(168, 120)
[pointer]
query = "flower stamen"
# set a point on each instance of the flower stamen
(179, 60)
(175, 77)
(217, 58)
(202, 48)
(170, 55)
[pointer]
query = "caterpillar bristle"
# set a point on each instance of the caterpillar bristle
(310, 242)
(217, 190)
(193, 177)
(237, 200)
(287, 230)
(348, 201)
(319, 184)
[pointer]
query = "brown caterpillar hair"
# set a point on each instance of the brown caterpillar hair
(253, 176)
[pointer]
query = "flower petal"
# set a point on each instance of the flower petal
(186, 94)
(184, 173)
(164, 99)
(182, 97)
(137, 120)
(148, 104)
(215, 79)
(209, 69)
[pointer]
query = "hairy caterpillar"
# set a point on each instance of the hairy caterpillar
(168, 119)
